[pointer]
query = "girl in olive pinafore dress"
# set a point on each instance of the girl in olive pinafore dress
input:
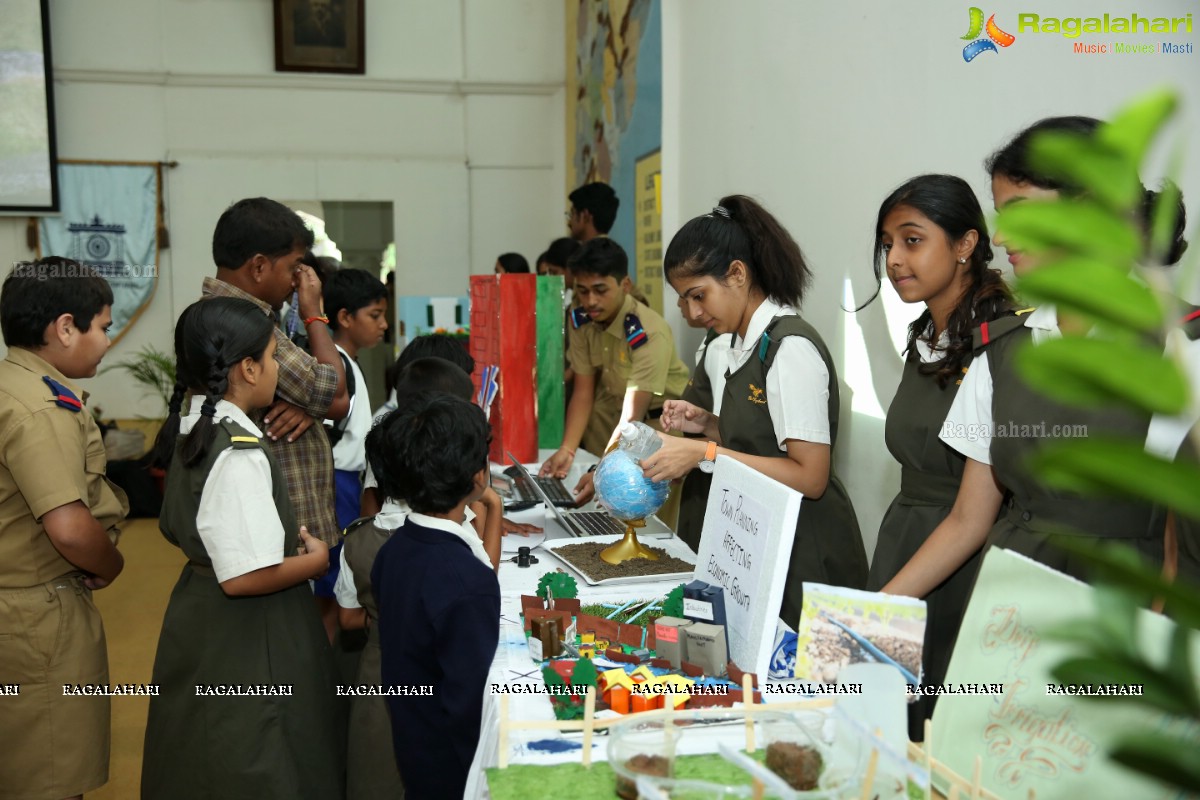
(738, 269)
(248, 700)
(931, 238)
(998, 421)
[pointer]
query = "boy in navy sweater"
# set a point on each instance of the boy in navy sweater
(439, 605)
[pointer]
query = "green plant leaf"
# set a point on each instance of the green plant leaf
(1081, 227)
(1107, 174)
(1106, 465)
(1179, 670)
(1162, 223)
(1095, 288)
(1157, 691)
(1171, 759)
(1083, 631)
(1091, 372)
(1121, 565)
(1133, 128)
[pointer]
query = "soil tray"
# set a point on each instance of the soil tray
(674, 563)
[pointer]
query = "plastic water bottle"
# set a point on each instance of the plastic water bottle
(639, 440)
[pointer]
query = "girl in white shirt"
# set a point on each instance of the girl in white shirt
(740, 272)
(247, 704)
(997, 421)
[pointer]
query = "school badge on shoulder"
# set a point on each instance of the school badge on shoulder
(635, 334)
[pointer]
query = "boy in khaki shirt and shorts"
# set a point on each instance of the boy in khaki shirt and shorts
(57, 534)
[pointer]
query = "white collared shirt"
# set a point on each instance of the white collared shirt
(714, 366)
(970, 423)
(392, 515)
(797, 382)
(350, 454)
(237, 520)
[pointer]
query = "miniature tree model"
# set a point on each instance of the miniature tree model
(560, 584)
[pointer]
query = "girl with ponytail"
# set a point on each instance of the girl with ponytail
(931, 239)
(241, 616)
(994, 399)
(738, 271)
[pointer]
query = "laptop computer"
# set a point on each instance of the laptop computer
(594, 523)
(521, 493)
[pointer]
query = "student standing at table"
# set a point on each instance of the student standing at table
(1035, 517)
(439, 603)
(741, 272)
(623, 355)
(932, 241)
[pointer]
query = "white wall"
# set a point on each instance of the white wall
(458, 122)
(819, 109)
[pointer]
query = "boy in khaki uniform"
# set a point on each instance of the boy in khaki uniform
(623, 355)
(57, 532)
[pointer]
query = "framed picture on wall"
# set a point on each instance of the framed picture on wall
(319, 36)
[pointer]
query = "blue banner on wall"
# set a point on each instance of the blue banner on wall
(109, 221)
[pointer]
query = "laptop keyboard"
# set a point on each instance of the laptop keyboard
(553, 487)
(594, 523)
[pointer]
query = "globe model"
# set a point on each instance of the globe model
(624, 490)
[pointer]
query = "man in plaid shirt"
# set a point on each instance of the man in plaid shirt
(258, 246)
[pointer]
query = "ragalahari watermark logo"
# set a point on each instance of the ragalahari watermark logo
(988, 44)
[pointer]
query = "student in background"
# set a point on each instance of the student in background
(511, 263)
(431, 345)
(1034, 517)
(932, 241)
(439, 604)
(258, 247)
(241, 614)
(623, 355)
(739, 271)
(593, 211)
(356, 304)
(371, 766)
(58, 531)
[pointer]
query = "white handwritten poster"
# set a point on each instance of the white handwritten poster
(1032, 738)
(744, 548)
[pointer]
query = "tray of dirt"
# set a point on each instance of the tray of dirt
(676, 562)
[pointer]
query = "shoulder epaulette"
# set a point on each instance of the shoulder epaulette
(635, 334)
(356, 524)
(1191, 324)
(579, 317)
(62, 395)
(990, 331)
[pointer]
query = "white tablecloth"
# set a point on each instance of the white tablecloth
(512, 664)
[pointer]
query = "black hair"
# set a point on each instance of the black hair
(432, 345)
(425, 375)
(600, 200)
(324, 266)
(560, 251)
(257, 225)
(38, 292)
(600, 256)
(428, 452)
(948, 202)
(740, 229)
(513, 262)
(1012, 161)
(211, 338)
(350, 289)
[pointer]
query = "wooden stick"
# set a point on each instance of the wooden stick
(502, 761)
(748, 700)
(589, 724)
(977, 778)
(868, 787)
(928, 744)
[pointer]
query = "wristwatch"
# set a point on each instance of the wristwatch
(709, 462)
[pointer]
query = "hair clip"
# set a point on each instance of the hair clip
(208, 410)
(722, 211)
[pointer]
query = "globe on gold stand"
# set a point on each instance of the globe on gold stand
(629, 547)
(623, 489)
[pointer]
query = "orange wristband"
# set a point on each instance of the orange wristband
(320, 318)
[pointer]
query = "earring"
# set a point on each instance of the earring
(962, 261)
